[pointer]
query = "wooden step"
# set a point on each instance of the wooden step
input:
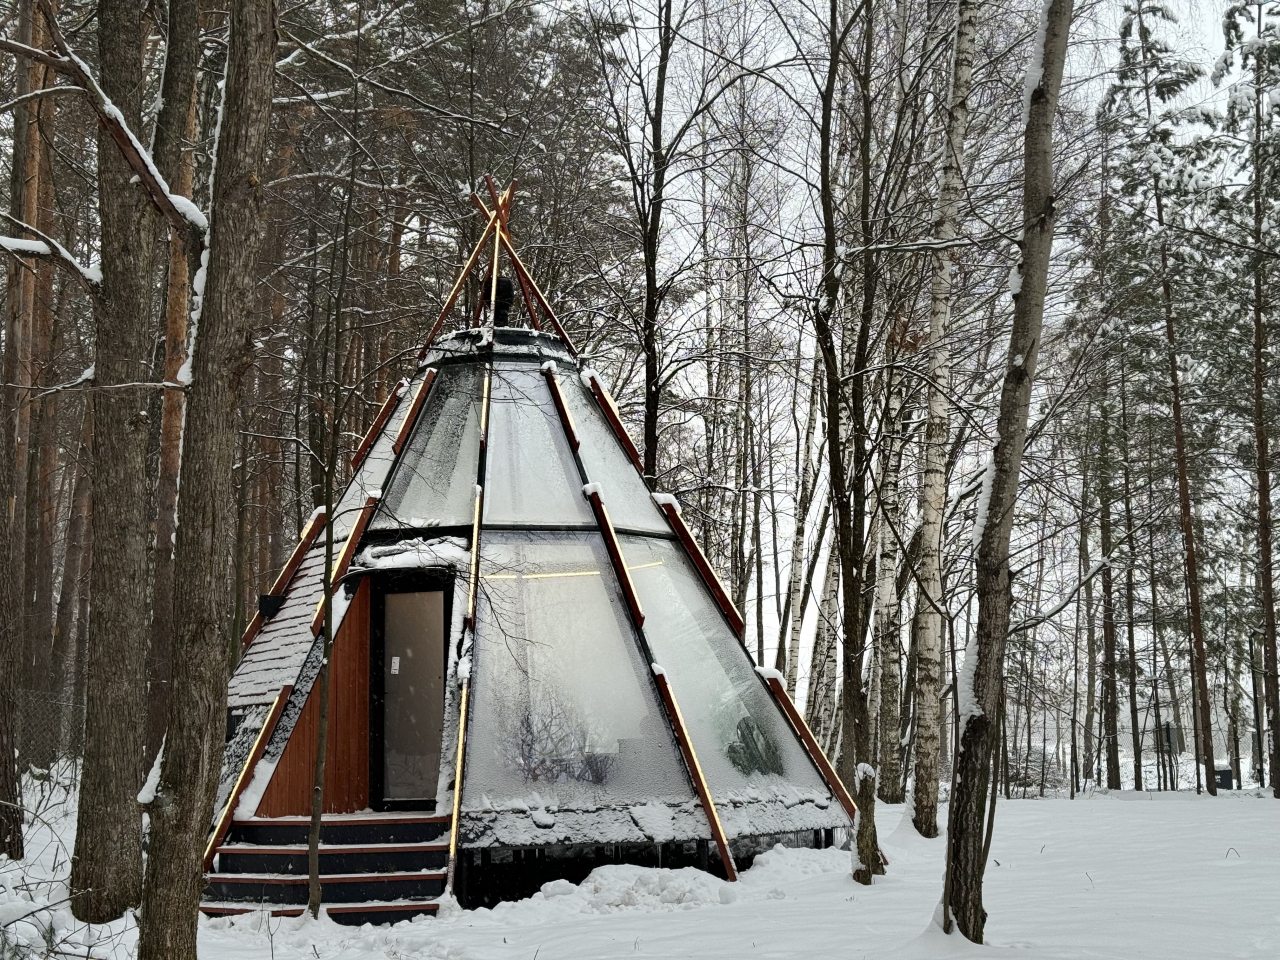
(341, 829)
(376, 912)
(335, 858)
(338, 888)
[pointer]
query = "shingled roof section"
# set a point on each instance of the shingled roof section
(275, 655)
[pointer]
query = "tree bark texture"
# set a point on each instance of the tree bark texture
(980, 683)
(1261, 440)
(175, 135)
(888, 619)
(106, 872)
(933, 493)
(183, 807)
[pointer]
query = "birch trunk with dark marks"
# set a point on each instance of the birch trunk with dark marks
(930, 604)
(800, 575)
(888, 619)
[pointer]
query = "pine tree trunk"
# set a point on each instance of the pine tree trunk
(40, 727)
(174, 137)
(106, 872)
(1130, 600)
(11, 644)
(183, 806)
(15, 404)
(1199, 664)
(979, 686)
(1266, 563)
(73, 567)
(1110, 694)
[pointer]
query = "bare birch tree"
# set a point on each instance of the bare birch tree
(981, 680)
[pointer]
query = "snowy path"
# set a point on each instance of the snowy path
(1121, 876)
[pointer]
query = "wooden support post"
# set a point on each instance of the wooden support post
(615, 556)
(699, 560)
(463, 705)
(469, 625)
(223, 823)
(411, 418)
(610, 411)
(566, 416)
(526, 278)
(811, 745)
(695, 772)
(379, 422)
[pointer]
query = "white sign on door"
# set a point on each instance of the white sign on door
(395, 666)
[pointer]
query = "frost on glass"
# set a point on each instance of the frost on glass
(565, 714)
(745, 746)
(530, 474)
(434, 483)
(622, 488)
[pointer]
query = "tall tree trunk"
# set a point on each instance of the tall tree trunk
(651, 222)
(888, 619)
(933, 494)
(820, 702)
(1130, 600)
(1261, 441)
(1199, 663)
(106, 871)
(175, 133)
(1110, 694)
(800, 574)
(183, 805)
(73, 565)
(40, 726)
(980, 681)
(14, 372)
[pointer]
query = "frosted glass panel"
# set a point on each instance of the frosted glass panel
(530, 473)
(565, 711)
(621, 486)
(746, 748)
(434, 484)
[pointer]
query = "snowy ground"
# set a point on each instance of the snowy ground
(1126, 875)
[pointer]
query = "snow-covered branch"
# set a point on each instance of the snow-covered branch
(186, 218)
(47, 247)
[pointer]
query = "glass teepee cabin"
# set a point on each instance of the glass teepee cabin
(533, 668)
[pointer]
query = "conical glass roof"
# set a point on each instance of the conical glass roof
(569, 740)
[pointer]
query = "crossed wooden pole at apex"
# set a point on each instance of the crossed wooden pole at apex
(496, 237)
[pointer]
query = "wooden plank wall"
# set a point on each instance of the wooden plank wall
(346, 776)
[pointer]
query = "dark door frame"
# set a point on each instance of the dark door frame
(385, 582)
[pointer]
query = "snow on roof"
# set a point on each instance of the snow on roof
(505, 341)
(416, 554)
(276, 654)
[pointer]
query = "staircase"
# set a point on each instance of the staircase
(374, 867)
